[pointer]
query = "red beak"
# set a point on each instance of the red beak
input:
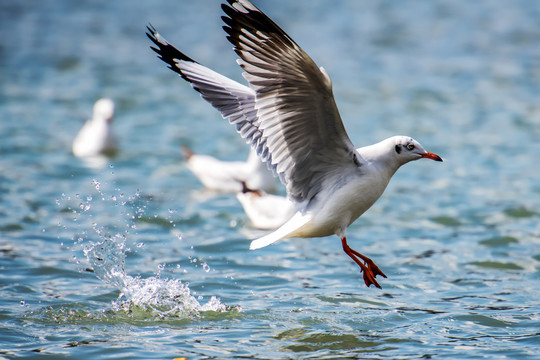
(431, 156)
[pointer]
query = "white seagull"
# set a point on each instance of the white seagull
(227, 176)
(265, 211)
(288, 114)
(96, 137)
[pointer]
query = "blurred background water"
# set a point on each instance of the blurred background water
(134, 260)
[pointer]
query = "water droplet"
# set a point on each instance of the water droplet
(206, 267)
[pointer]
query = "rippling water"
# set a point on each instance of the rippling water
(135, 260)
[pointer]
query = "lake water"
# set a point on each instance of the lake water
(134, 260)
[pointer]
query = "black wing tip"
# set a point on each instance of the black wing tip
(167, 53)
(240, 5)
(230, 6)
(152, 34)
(241, 16)
(151, 28)
(165, 50)
(241, 13)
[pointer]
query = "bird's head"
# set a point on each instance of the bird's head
(104, 109)
(407, 149)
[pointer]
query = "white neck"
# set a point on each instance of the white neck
(383, 154)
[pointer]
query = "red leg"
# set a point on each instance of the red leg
(369, 269)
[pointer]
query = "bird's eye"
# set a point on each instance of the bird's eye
(410, 147)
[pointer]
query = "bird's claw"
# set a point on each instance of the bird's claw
(370, 272)
(375, 269)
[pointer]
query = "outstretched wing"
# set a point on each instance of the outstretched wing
(303, 137)
(232, 99)
(288, 114)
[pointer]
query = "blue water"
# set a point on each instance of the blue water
(134, 260)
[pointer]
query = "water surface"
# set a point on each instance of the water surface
(134, 260)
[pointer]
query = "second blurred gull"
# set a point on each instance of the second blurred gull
(228, 176)
(265, 211)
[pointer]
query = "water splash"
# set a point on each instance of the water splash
(102, 214)
(152, 297)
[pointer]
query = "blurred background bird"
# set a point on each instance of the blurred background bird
(96, 137)
(265, 211)
(228, 176)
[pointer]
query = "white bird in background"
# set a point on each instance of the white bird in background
(96, 136)
(289, 115)
(227, 176)
(265, 211)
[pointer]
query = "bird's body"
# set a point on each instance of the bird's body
(227, 176)
(96, 137)
(334, 209)
(288, 114)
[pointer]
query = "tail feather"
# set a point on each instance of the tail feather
(287, 230)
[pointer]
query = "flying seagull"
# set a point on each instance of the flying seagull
(288, 114)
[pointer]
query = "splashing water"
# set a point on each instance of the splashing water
(150, 297)
(142, 298)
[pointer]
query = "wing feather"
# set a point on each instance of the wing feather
(232, 99)
(288, 113)
(302, 134)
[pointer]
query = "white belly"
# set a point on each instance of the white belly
(340, 208)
